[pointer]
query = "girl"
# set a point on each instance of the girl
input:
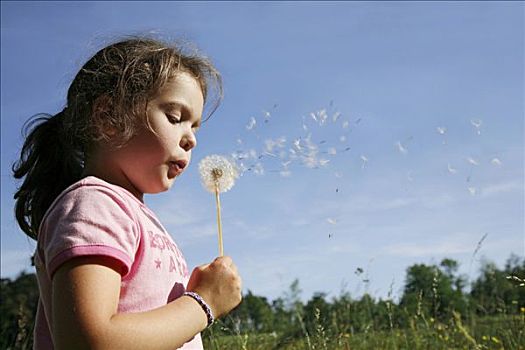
(109, 275)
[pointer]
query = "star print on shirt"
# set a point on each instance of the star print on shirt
(157, 263)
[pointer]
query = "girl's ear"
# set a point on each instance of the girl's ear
(102, 113)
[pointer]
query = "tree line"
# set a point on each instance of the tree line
(431, 292)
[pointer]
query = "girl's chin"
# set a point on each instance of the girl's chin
(169, 183)
(163, 186)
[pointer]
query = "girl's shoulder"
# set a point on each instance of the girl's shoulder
(95, 191)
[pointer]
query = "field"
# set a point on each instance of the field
(481, 333)
(434, 312)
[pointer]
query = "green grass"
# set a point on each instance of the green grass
(499, 332)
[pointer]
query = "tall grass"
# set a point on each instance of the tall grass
(424, 332)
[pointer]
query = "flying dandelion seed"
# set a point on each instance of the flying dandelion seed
(269, 145)
(476, 123)
(267, 116)
(310, 162)
(365, 161)
(331, 221)
(285, 173)
(280, 142)
(473, 191)
(496, 161)
(297, 144)
(472, 161)
(451, 169)
(251, 124)
(322, 117)
(332, 151)
(441, 130)
(345, 124)
(323, 162)
(336, 116)
(258, 169)
(338, 174)
(401, 148)
(342, 138)
(218, 175)
(268, 154)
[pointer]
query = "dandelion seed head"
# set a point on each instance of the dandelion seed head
(218, 173)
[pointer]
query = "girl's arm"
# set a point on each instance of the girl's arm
(85, 299)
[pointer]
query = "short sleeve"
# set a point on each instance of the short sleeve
(89, 221)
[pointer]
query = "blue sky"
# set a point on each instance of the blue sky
(390, 133)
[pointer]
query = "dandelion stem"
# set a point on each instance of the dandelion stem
(219, 225)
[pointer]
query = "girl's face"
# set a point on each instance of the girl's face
(152, 159)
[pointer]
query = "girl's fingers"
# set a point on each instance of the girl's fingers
(203, 267)
(226, 260)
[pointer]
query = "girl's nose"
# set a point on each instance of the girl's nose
(188, 141)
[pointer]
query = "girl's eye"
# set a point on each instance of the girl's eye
(172, 119)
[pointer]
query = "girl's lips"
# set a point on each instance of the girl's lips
(176, 168)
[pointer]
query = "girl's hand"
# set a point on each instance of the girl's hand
(219, 284)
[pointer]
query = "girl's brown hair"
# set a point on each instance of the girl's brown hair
(110, 91)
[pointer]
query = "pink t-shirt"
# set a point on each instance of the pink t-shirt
(93, 217)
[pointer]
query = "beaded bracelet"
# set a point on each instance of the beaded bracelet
(205, 307)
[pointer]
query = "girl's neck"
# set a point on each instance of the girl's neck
(105, 171)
